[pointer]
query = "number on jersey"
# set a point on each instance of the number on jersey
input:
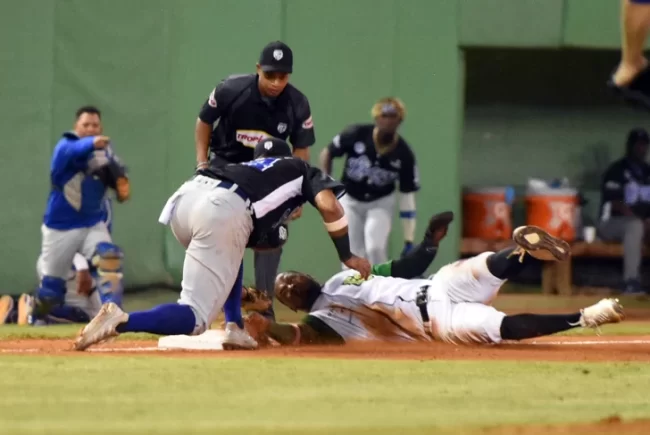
(262, 164)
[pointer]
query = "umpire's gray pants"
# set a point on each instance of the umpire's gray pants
(213, 225)
(266, 269)
(369, 225)
(629, 231)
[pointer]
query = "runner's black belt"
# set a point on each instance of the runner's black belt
(421, 300)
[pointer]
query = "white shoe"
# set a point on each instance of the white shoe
(102, 327)
(237, 338)
(605, 311)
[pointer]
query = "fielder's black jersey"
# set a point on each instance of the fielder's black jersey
(368, 176)
(245, 117)
(629, 182)
(276, 186)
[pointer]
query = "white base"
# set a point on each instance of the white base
(209, 340)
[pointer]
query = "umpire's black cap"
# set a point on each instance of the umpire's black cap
(276, 57)
(272, 147)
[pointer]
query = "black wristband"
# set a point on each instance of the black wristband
(342, 244)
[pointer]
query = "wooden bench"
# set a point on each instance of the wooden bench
(557, 277)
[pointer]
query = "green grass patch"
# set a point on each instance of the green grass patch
(117, 394)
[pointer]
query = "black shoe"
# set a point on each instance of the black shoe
(633, 287)
(437, 228)
(637, 92)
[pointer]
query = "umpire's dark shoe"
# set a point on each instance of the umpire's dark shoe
(637, 92)
(540, 244)
(438, 225)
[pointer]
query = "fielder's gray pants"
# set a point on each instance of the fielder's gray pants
(629, 231)
(266, 269)
(369, 225)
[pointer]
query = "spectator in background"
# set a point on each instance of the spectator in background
(625, 206)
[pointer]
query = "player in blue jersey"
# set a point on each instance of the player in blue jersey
(82, 168)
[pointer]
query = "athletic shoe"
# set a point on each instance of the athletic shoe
(237, 338)
(540, 244)
(637, 92)
(605, 311)
(6, 307)
(102, 327)
(25, 309)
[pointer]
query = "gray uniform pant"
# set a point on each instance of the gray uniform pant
(213, 224)
(267, 264)
(369, 225)
(629, 231)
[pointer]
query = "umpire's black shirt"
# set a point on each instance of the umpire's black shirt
(245, 117)
(276, 186)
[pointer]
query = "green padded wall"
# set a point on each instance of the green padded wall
(150, 64)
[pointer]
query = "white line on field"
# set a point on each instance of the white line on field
(587, 342)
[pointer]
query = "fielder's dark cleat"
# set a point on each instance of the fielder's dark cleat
(438, 224)
(637, 92)
(540, 244)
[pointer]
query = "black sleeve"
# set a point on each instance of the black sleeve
(613, 184)
(326, 335)
(303, 135)
(409, 179)
(315, 181)
(343, 142)
(415, 263)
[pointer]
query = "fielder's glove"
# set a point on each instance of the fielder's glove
(254, 300)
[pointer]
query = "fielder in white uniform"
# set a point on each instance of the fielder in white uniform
(451, 306)
(376, 158)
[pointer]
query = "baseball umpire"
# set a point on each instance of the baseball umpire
(245, 109)
(377, 156)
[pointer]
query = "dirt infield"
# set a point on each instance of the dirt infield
(579, 349)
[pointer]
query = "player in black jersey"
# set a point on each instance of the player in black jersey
(213, 216)
(376, 158)
(245, 109)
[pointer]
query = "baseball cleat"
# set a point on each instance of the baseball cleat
(438, 224)
(607, 310)
(237, 338)
(25, 309)
(6, 307)
(102, 327)
(540, 244)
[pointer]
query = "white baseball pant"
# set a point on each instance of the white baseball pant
(459, 303)
(369, 225)
(213, 224)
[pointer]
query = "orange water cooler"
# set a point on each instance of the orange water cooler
(486, 213)
(553, 210)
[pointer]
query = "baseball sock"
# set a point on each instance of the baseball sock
(266, 269)
(521, 326)
(232, 306)
(167, 319)
(504, 264)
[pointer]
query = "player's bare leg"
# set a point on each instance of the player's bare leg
(632, 77)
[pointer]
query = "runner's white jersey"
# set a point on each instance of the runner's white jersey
(379, 308)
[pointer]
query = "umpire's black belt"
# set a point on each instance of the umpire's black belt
(421, 300)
